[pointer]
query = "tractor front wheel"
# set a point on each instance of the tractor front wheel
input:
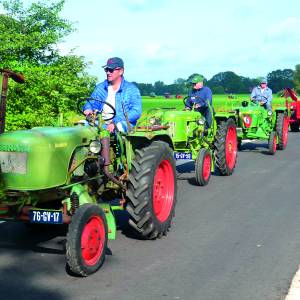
(203, 167)
(151, 194)
(282, 129)
(226, 147)
(86, 240)
(272, 144)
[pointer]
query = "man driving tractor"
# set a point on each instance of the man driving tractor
(263, 95)
(200, 97)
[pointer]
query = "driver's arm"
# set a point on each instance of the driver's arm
(92, 105)
(269, 95)
(253, 94)
(132, 105)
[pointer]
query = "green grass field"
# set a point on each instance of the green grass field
(220, 102)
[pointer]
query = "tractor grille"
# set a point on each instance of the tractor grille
(13, 162)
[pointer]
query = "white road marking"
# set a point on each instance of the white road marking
(294, 291)
(2, 222)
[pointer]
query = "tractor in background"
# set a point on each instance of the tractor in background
(256, 122)
(295, 109)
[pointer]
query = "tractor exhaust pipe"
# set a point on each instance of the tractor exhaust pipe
(105, 142)
(4, 75)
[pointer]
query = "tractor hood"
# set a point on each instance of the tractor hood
(39, 158)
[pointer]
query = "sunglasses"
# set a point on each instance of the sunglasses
(110, 70)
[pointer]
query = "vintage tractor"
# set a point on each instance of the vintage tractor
(213, 149)
(256, 122)
(80, 175)
(295, 109)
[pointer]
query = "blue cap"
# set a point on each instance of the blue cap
(263, 80)
(114, 62)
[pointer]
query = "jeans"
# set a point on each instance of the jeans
(206, 113)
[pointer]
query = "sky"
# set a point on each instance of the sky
(169, 39)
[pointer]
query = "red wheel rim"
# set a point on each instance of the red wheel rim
(274, 143)
(93, 240)
(163, 190)
(231, 147)
(206, 167)
(285, 130)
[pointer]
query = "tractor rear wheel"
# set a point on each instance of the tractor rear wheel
(226, 147)
(86, 240)
(282, 129)
(272, 144)
(203, 167)
(151, 194)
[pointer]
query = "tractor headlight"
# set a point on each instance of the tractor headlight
(95, 147)
(200, 122)
(269, 113)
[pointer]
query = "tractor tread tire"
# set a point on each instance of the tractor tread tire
(279, 129)
(140, 191)
(220, 148)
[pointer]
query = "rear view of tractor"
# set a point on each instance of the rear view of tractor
(256, 122)
(80, 175)
(295, 109)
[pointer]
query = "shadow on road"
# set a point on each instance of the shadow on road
(20, 274)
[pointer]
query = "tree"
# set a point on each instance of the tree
(29, 39)
(231, 82)
(296, 78)
(280, 79)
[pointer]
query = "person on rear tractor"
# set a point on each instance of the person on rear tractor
(263, 95)
(200, 97)
(124, 96)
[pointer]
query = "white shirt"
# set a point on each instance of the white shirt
(107, 111)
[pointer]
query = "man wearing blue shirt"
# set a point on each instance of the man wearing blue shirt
(199, 98)
(263, 95)
(122, 95)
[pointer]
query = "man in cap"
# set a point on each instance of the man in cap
(124, 96)
(200, 97)
(262, 94)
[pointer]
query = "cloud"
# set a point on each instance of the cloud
(286, 29)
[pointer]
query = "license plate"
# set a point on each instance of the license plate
(45, 216)
(182, 155)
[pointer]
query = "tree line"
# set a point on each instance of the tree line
(29, 36)
(222, 83)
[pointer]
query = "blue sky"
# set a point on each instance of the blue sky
(168, 39)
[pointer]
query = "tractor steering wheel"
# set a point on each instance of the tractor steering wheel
(184, 100)
(263, 100)
(88, 100)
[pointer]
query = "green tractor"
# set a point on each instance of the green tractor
(214, 149)
(81, 175)
(256, 122)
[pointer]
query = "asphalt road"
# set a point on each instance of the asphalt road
(236, 239)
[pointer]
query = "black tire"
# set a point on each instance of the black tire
(87, 226)
(282, 129)
(203, 167)
(294, 127)
(149, 220)
(226, 147)
(272, 143)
